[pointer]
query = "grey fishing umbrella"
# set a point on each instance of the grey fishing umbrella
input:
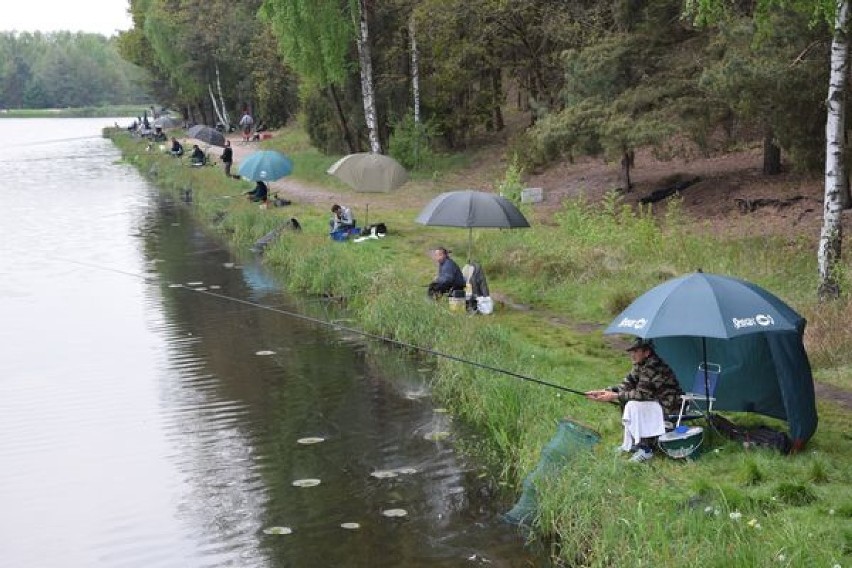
(468, 208)
(369, 173)
(206, 134)
(165, 122)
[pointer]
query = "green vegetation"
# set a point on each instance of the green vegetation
(730, 507)
(84, 112)
(66, 70)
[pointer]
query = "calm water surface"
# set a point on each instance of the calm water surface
(140, 427)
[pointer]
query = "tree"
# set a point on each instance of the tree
(836, 12)
(362, 37)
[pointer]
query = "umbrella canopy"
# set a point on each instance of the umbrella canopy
(753, 335)
(468, 208)
(206, 134)
(705, 305)
(265, 165)
(167, 122)
(369, 173)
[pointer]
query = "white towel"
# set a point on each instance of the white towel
(642, 419)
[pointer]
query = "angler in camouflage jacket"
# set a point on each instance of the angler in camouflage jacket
(650, 379)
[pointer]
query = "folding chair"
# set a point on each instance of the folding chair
(702, 393)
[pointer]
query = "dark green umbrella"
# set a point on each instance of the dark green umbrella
(752, 334)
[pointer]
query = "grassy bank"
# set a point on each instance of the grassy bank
(84, 112)
(731, 507)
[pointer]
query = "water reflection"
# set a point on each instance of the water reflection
(139, 426)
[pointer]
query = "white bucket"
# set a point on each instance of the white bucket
(484, 305)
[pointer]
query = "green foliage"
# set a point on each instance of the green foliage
(410, 143)
(62, 69)
(512, 184)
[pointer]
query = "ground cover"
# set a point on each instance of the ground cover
(581, 262)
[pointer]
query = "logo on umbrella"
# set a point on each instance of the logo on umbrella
(760, 319)
(633, 323)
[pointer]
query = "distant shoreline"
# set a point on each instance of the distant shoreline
(84, 112)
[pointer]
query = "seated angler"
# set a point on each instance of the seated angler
(648, 391)
(449, 277)
(176, 149)
(260, 193)
(341, 219)
(197, 158)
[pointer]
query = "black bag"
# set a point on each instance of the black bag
(759, 436)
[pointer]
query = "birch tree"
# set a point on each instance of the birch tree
(836, 12)
(831, 235)
(366, 64)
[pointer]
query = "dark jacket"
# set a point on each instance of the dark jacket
(652, 379)
(227, 155)
(259, 193)
(449, 273)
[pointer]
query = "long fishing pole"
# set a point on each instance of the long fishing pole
(384, 339)
(337, 326)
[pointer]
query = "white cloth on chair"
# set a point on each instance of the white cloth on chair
(641, 419)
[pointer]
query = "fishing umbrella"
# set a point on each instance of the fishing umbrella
(265, 165)
(207, 135)
(167, 122)
(369, 173)
(756, 336)
(468, 208)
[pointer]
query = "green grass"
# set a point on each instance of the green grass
(583, 269)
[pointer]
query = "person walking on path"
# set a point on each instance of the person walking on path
(246, 123)
(228, 158)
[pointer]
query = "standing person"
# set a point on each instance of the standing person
(246, 123)
(227, 158)
(449, 275)
(341, 218)
(648, 390)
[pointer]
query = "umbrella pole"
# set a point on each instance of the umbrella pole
(706, 376)
(367, 217)
(469, 243)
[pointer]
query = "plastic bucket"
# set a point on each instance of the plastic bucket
(484, 305)
(679, 445)
(457, 304)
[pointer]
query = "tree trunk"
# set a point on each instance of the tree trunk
(771, 153)
(831, 235)
(415, 87)
(216, 110)
(626, 163)
(415, 70)
(341, 119)
(497, 98)
(226, 120)
(367, 91)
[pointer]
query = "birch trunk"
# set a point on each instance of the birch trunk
(831, 235)
(224, 113)
(367, 92)
(415, 70)
(415, 87)
(215, 106)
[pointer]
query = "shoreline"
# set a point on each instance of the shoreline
(516, 421)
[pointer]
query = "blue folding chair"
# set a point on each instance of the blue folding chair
(699, 400)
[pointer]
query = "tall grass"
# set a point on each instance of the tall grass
(730, 507)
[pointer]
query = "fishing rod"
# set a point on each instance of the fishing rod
(384, 339)
(337, 326)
